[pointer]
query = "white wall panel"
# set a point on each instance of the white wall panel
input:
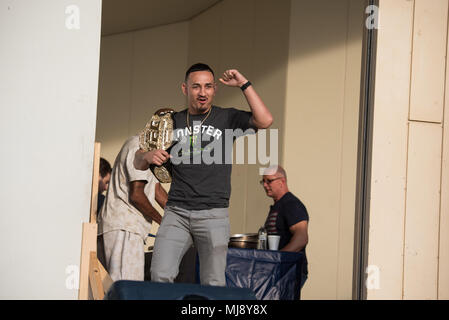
(429, 60)
(389, 150)
(423, 208)
(48, 97)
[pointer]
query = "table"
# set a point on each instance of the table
(272, 275)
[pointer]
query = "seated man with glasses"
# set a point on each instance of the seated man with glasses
(288, 216)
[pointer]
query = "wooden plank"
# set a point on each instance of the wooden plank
(105, 277)
(89, 243)
(95, 281)
(423, 208)
(443, 268)
(429, 60)
(95, 178)
(389, 150)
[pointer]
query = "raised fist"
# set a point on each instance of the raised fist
(233, 78)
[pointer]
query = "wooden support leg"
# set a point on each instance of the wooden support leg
(89, 243)
(95, 277)
(105, 278)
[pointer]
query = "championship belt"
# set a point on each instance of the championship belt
(158, 134)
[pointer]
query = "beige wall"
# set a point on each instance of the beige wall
(408, 233)
(140, 72)
(321, 128)
(304, 59)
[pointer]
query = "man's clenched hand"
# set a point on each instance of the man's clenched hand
(142, 159)
(233, 78)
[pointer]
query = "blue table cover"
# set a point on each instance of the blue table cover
(272, 275)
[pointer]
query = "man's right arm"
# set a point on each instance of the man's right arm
(138, 199)
(143, 159)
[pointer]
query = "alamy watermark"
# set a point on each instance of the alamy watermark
(372, 21)
(72, 20)
(72, 280)
(372, 277)
(205, 144)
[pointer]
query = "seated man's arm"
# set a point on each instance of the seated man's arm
(299, 239)
(138, 199)
(161, 195)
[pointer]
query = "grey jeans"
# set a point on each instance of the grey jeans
(208, 230)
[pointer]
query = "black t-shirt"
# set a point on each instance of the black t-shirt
(202, 158)
(284, 213)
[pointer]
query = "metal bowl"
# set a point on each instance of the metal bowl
(245, 241)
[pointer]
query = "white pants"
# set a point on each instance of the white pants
(208, 230)
(124, 255)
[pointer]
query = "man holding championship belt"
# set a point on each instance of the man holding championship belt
(198, 200)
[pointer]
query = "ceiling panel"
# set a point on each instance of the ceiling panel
(123, 16)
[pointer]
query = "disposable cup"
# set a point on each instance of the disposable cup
(273, 241)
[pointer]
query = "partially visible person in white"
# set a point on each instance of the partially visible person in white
(127, 214)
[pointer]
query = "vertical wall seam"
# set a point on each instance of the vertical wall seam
(283, 124)
(442, 156)
(189, 47)
(189, 54)
(407, 154)
(220, 35)
(287, 78)
(405, 211)
(364, 158)
(252, 72)
(348, 5)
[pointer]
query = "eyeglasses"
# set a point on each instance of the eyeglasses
(268, 181)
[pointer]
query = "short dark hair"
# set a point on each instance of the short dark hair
(198, 67)
(105, 167)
